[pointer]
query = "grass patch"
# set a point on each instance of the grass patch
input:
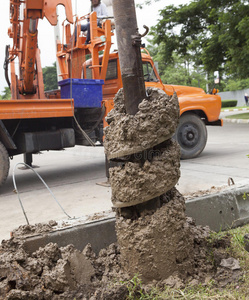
(244, 116)
(210, 290)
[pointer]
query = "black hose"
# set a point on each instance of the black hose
(6, 65)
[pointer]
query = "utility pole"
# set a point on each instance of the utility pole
(129, 43)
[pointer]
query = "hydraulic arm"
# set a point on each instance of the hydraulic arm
(24, 16)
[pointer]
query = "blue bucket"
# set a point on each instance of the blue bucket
(85, 92)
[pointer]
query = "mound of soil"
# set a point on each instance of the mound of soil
(66, 273)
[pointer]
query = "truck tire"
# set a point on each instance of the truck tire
(191, 135)
(4, 164)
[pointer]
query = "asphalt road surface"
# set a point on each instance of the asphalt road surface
(73, 176)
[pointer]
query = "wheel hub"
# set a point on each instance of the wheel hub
(189, 135)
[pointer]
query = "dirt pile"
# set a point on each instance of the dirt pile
(55, 273)
(48, 272)
(66, 273)
(39, 228)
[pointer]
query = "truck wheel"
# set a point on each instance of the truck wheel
(191, 135)
(4, 164)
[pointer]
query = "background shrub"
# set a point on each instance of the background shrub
(229, 103)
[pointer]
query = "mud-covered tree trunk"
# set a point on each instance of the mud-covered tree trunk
(154, 239)
(129, 43)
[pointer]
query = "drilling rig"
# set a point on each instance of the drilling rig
(75, 114)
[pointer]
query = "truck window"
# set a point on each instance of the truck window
(111, 73)
(149, 74)
(88, 73)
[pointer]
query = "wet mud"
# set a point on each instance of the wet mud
(140, 180)
(66, 273)
(158, 245)
(157, 241)
(155, 122)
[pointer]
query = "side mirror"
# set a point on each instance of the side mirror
(215, 91)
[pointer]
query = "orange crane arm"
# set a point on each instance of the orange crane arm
(24, 33)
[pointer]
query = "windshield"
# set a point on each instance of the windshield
(111, 73)
(149, 74)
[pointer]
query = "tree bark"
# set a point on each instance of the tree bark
(129, 43)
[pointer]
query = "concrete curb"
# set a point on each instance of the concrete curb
(235, 121)
(236, 109)
(227, 120)
(99, 234)
(219, 211)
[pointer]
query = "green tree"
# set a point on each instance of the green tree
(231, 84)
(180, 70)
(212, 33)
(6, 95)
(50, 77)
(145, 2)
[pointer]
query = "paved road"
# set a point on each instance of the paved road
(73, 174)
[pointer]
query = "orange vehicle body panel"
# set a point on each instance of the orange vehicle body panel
(31, 109)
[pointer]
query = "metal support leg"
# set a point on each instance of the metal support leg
(28, 159)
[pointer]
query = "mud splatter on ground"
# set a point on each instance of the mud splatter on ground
(28, 230)
(199, 193)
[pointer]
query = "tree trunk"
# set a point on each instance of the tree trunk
(129, 43)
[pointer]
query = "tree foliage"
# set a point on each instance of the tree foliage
(50, 77)
(142, 3)
(180, 71)
(236, 84)
(5, 95)
(212, 33)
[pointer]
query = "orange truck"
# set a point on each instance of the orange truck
(35, 120)
(197, 108)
